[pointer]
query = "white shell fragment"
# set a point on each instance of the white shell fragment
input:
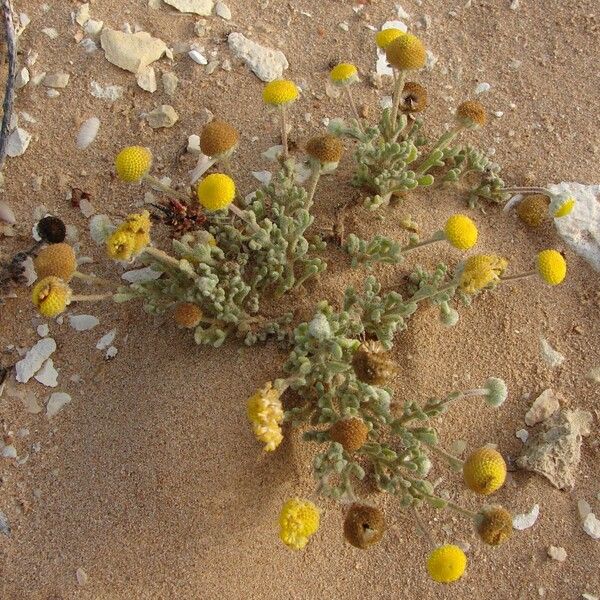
(196, 7)
(263, 176)
(223, 11)
(18, 142)
(551, 357)
(87, 132)
(131, 51)
(198, 57)
(267, 64)
(106, 340)
(83, 322)
(482, 88)
(106, 92)
(527, 520)
(56, 402)
(591, 525)
(557, 553)
(43, 330)
(6, 213)
(47, 375)
(28, 366)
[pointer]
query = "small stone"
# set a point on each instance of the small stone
(93, 27)
(108, 92)
(593, 375)
(170, 82)
(267, 64)
(50, 32)
(56, 402)
(583, 508)
(43, 330)
(87, 132)
(557, 553)
(47, 375)
(106, 340)
(162, 116)
(83, 322)
(111, 352)
(527, 520)
(18, 142)
(131, 51)
(587, 596)
(193, 145)
(9, 451)
(22, 78)
(550, 356)
(146, 79)
(591, 525)
(28, 366)
(83, 14)
(482, 88)
(196, 7)
(223, 11)
(81, 576)
(545, 405)
(6, 213)
(4, 524)
(523, 435)
(52, 93)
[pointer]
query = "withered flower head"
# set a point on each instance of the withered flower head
(373, 365)
(414, 97)
(364, 525)
(52, 230)
(350, 433)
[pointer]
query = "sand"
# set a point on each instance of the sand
(150, 480)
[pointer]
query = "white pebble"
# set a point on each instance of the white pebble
(197, 57)
(56, 402)
(591, 525)
(88, 132)
(83, 322)
(526, 520)
(223, 11)
(482, 87)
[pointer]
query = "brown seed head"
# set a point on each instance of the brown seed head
(414, 97)
(364, 525)
(188, 315)
(471, 114)
(218, 137)
(350, 433)
(56, 260)
(494, 525)
(373, 365)
(52, 230)
(325, 148)
(533, 209)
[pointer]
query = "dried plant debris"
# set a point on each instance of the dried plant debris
(555, 450)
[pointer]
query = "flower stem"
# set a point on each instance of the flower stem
(157, 183)
(162, 256)
(455, 462)
(90, 297)
(92, 278)
(437, 237)
(525, 190)
(314, 180)
(240, 213)
(354, 109)
(423, 527)
(284, 132)
(518, 276)
(398, 89)
(444, 141)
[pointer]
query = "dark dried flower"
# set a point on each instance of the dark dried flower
(181, 218)
(52, 230)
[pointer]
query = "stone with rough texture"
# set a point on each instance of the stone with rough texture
(47, 375)
(162, 116)
(544, 406)
(131, 51)
(146, 79)
(555, 451)
(18, 142)
(557, 553)
(31, 363)
(56, 402)
(591, 525)
(56, 80)
(196, 7)
(83, 322)
(267, 64)
(170, 82)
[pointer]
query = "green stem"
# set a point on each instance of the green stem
(442, 144)
(284, 132)
(162, 256)
(157, 183)
(354, 109)
(438, 237)
(398, 89)
(455, 462)
(525, 190)
(90, 297)
(92, 278)
(314, 180)
(518, 276)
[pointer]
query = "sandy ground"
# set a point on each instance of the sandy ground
(150, 480)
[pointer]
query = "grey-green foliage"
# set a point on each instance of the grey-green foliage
(320, 370)
(380, 249)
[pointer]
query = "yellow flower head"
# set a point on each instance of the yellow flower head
(265, 412)
(188, 315)
(471, 114)
(494, 525)
(561, 206)
(484, 471)
(551, 266)
(139, 225)
(56, 260)
(481, 271)
(51, 296)
(279, 92)
(406, 52)
(385, 37)
(446, 563)
(121, 245)
(461, 232)
(132, 163)
(298, 520)
(344, 74)
(216, 191)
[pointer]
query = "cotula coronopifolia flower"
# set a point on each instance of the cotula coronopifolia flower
(414, 97)
(265, 413)
(298, 521)
(344, 74)
(133, 163)
(406, 52)
(326, 149)
(51, 296)
(461, 232)
(385, 37)
(484, 471)
(218, 139)
(280, 93)
(471, 114)
(494, 525)
(364, 525)
(551, 267)
(351, 433)
(481, 271)
(446, 563)
(56, 260)
(216, 192)
(130, 238)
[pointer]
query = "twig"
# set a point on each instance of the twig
(9, 94)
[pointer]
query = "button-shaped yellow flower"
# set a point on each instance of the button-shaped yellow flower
(551, 266)
(121, 245)
(51, 296)
(280, 92)
(216, 191)
(132, 163)
(446, 563)
(344, 74)
(484, 471)
(481, 271)
(265, 413)
(461, 232)
(298, 520)
(561, 206)
(56, 260)
(385, 37)
(406, 52)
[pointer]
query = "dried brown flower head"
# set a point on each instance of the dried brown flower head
(56, 260)
(364, 525)
(471, 114)
(373, 365)
(494, 525)
(325, 148)
(533, 209)
(52, 230)
(181, 218)
(350, 433)
(218, 137)
(188, 315)
(414, 97)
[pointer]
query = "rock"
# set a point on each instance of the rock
(108, 92)
(544, 406)
(131, 51)
(193, 145)
(523, 435)
(81, 576)
(56, 80)
(223, 11)
(593, 375)
(146, 79)
(50, 32)
(18, 142)
(591, 525)
(550, 356)
(557, 553)
(56, 402)
(8, 216)
(22, 78)
(47, 375)
(4, 524)
(93, 27)
(83, 322)
(267, 64)
(555, 451)
(9, 451)
(31, 363)
(106, 340)
(162, 116)
(87, 132)
(170, 82)
(527, 520)
(482, 88)
(196, 7)
(83, 14)
(583, 508)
